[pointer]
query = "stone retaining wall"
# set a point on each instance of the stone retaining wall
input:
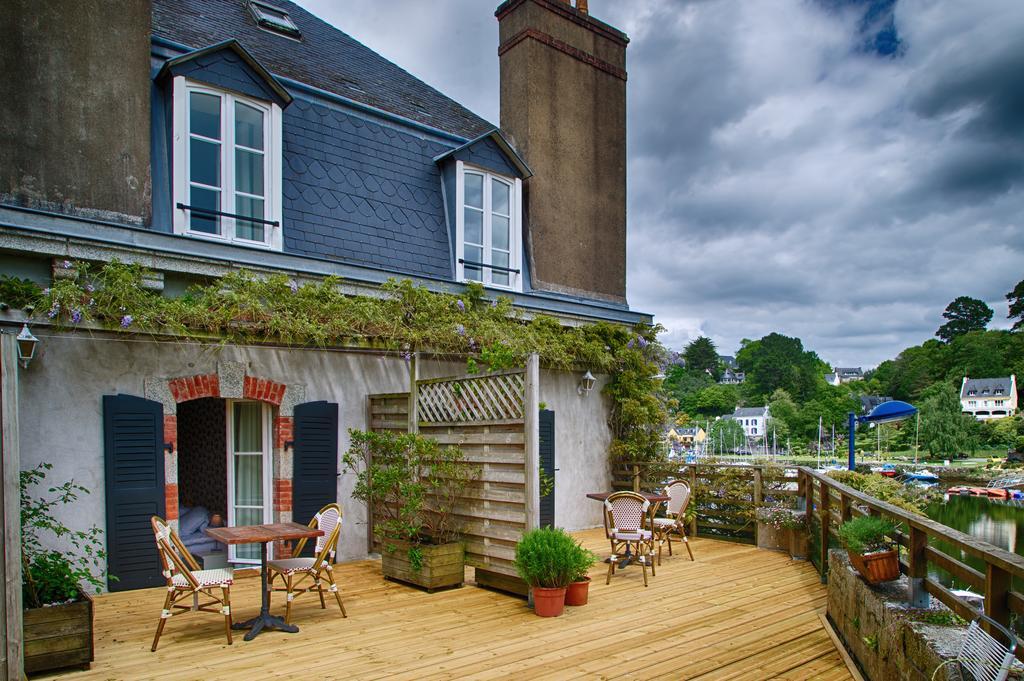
(874, 624)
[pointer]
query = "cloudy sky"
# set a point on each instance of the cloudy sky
(837, 170)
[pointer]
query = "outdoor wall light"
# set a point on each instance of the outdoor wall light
(26, 346)
(586, 384)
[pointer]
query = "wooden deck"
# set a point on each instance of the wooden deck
(735, 613)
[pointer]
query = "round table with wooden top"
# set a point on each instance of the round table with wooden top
(262, 535)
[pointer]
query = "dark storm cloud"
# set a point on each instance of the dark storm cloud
(837, 170)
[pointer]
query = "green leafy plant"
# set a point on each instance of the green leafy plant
(866, 534)
(411, 484)
(582, 560)
(547, 557)
(51, 574)
(18, 293)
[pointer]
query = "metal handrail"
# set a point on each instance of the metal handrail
(220, 213)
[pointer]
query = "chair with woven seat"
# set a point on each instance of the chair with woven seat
(294, 571)
(185, 581)
(674, 523)
(627, 525)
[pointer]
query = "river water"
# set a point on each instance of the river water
(997, 523)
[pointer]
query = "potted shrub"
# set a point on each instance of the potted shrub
(546, 559)
(59, 566)
(783, 529)
(578, 590)
(871, 552)
(411, 486)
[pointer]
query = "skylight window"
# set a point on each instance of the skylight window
(274, 19)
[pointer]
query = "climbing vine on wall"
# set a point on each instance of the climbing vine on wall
(244, 307)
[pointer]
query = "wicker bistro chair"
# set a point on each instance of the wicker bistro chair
(294, 571)
(982, 655)
(627, 524)
(678, 493)
(185, 581)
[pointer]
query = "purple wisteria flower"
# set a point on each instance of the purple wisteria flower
(641, 341)
(631, 343)
(407, 356)
(494, 303)
(460, 329)
(472, 343)
(76, 316)
(126, 321)
(90, 288)
(66, 264)
(294, 286)
(461, 305)
(54, 311)
(46, 291)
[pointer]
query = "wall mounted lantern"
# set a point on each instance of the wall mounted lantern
(586, 384)
(26, 346)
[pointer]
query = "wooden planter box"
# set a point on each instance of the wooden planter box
(878, 567)
(798, 541)
(443, 565)
(58, 636)
(772, 539)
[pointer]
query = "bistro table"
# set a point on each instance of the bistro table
(262, 535)
(656, 501)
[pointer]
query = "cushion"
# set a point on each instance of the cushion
(215, 577)
(193, 521)
(289, 566)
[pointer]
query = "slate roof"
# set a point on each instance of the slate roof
(748, 412)
(325, 58)
(989, 384)
(869, 402)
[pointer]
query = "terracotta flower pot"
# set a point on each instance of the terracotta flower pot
(878, 567)
(548, 602)
(576, 593)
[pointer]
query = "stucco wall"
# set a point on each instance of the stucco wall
(61, 415)
(582, 439)
(61, 410)
(76, 99)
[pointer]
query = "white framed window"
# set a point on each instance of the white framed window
(226, 166)
(488, 227)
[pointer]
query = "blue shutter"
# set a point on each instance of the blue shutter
(315, 461)
(547, 464)
(133, 450)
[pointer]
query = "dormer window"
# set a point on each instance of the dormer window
(274, 19)
(488, 226)
(227, 166)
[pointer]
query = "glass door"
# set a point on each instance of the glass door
(248, 472)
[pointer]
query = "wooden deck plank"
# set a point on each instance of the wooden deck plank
(683, 625)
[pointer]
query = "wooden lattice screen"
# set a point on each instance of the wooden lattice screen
(487, 417)
(494, 397)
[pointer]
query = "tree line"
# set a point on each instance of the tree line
(790, 379)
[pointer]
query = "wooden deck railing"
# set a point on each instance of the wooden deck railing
(833, 503)
(725, 495)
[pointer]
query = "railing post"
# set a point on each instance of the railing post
(693, 499)
(997, 588)
(824, 517)
(844, 508)
(636, 478)
(917, 596)
(758, 493)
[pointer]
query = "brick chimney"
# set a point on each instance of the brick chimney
(563, 103)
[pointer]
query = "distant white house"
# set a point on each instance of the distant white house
(989, 398)
(732, 377)
(753, 419)
(844, 375)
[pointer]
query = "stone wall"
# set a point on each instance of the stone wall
(874, 625)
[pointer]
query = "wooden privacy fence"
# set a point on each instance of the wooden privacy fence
(493, 419)
(835, 503)
(725, 495)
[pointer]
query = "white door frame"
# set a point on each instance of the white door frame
(268, 506)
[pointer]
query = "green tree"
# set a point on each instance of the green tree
(1016, 300)
(682, 385)
(913, 370)
(945, 430)
(965, 314)
(726, 435)
(778, 361)
(784, 410)
(702, 357)
(714, 400)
